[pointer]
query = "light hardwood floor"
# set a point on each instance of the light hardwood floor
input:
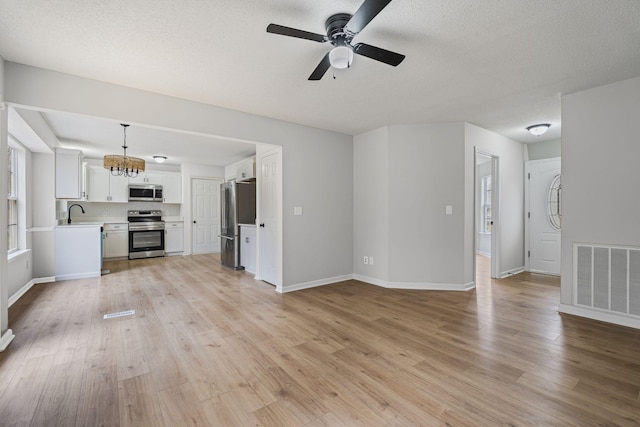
(208, 346)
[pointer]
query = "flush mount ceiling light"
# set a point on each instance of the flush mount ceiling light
(123, 165)
(341, 57)
(538, 129)
(159, 159)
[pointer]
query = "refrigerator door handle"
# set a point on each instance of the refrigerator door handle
(226, 237)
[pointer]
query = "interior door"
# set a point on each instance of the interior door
(544, 214)
(205, 211)
(270, 183)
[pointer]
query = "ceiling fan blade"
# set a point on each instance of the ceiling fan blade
(378, 54)
(367, 11)
(322, 68)
(292, 32)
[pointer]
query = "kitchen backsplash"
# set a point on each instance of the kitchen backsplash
(116, 210)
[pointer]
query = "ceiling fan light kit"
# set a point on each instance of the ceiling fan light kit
(539, 129)
(341, 57)
(341, 29)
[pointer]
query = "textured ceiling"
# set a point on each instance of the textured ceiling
(499, 64)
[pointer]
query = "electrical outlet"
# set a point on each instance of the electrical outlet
(370, 260)
(365, 260)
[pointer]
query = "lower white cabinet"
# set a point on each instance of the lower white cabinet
(173, 236)
(77, 251)
(116, 240)
(248, 248)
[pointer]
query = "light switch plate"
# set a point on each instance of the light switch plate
(297, 210)
(448, 209)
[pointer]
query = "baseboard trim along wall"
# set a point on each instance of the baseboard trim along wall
(315, 283)
(6, 339)
(417, 285)
(77, 276)
(382, 283)
(603, 316)
(23, 290)
(511, 272)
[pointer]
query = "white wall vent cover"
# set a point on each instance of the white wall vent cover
(607, 278)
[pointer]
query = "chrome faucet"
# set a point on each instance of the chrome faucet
(69, 212)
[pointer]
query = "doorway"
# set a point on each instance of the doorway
(543, 204)
(269, 231)
(487, 222)
(205, 215)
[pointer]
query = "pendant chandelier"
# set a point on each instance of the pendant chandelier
(124, 165)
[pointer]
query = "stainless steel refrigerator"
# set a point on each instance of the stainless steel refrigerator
(238, 206)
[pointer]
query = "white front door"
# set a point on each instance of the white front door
(270, 182)
(543, 177)
(205, 212)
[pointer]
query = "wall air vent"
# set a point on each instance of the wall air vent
(607, 278)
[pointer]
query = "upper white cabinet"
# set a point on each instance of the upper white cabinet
(68, 174)
(147, 178)
(172, 187)
(246, 169)
(104, 187)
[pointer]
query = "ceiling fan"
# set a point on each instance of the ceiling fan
(341, 29)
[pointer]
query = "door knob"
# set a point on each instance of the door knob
(194, 222)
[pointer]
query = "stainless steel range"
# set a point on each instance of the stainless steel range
(146, 234)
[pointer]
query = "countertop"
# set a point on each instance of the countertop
(80, 224)
(86, 221)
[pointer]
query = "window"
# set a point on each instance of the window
(485, 204)
(12, 202)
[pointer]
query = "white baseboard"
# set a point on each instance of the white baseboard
(6, 339)
(23, 290)
(314, 283)
(602, 316)
(484, 254)
(78, 276)
(381, 283)
(511, 272)
(417, 285)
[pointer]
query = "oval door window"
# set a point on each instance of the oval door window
(554, 206)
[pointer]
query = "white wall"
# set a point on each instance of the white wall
(511, 189)
(426, 173)
(600, 174)
(371, 204)
(543, 150)
(317, 164)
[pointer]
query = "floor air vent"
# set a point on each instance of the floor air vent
(119, 314)
(608, 278)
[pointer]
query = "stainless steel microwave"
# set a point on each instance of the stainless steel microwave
(145, 193)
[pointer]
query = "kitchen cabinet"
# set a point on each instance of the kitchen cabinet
(248, 248)
(147, 178)
(246, 169)
(172, 187)
(78, 251)
(68, 173)
(173, 237)
(104, 187)
(116, 240)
